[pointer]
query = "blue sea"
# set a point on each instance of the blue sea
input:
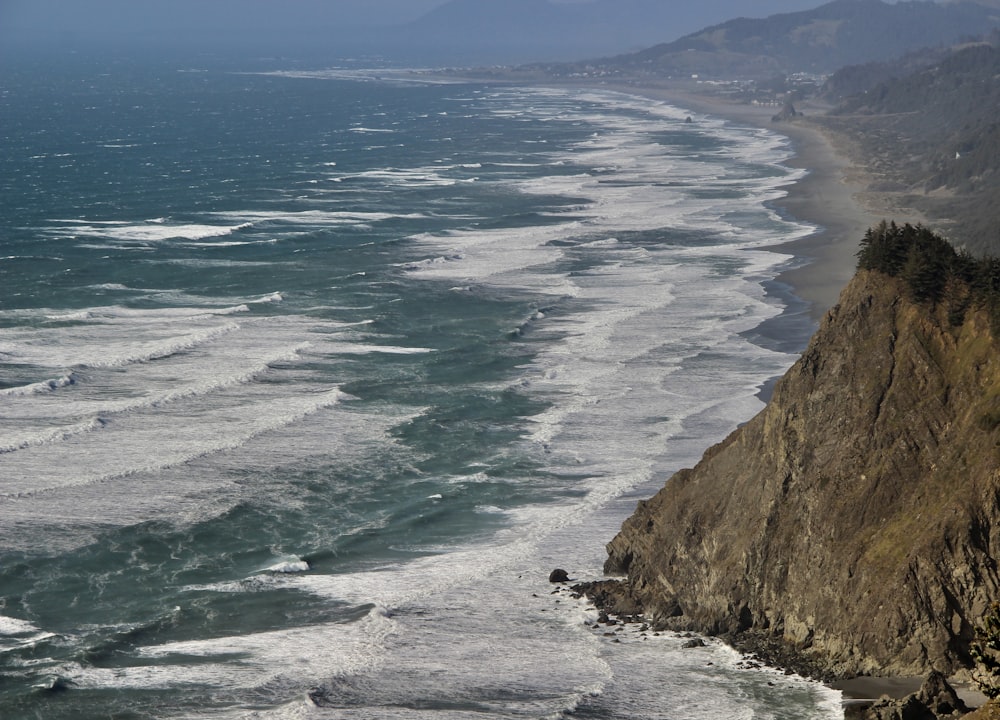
(309, 379)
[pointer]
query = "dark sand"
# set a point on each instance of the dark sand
(864, 690)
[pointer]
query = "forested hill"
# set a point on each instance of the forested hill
(821, 40)
(932, 136)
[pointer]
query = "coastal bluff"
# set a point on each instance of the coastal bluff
(855, 521)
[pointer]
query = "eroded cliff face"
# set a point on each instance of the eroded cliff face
(857, 517)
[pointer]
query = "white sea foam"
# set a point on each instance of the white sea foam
(276, 659)
(150, 232)
(199, 365)
(705, 683)
(490, 510)
(642, 364)
(151, 444)
(230, 243)
(194, 491)
(496, 256)
(645, 370)
(649, 188)
(650, 358)
(41, 387)
(275, 297)
(82, 347)
(16, 634)
(70, 317)
(407, 177)
(405, 76)
(313, 218)
(619, 394)
(348, 348)
(115, 286)
(291, 565)
(451, 613)
(241, 368)
(155, 379)
(14, 626)
(205, 262)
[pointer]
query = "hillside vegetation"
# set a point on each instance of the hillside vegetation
(932, 137)
(934, 271)
(839, 33)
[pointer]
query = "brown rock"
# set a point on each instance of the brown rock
(936, 699)
(857, 518)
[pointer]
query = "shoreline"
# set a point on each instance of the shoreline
(832, 195)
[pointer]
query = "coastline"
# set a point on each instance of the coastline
(835, 196)
(831, 196)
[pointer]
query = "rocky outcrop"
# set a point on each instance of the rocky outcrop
(558, 576)
(936, 699)
(856, 519)
(989, 711)
(788, 112)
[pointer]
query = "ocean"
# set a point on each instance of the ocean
(309, 379)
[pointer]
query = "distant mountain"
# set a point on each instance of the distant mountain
(481, 32)
(843, 32)
(546, 30)
(459, 32)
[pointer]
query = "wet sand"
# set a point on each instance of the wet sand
(831, 196)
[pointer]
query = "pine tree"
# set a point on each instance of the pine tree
(928, 264)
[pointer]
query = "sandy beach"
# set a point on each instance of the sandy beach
(831, 196)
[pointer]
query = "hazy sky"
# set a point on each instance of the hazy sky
(40, 14)
(306, 26)
(351, 12)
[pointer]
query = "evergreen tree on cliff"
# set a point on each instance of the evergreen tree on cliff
(856, 520)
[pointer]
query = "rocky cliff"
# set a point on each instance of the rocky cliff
(857, 517)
